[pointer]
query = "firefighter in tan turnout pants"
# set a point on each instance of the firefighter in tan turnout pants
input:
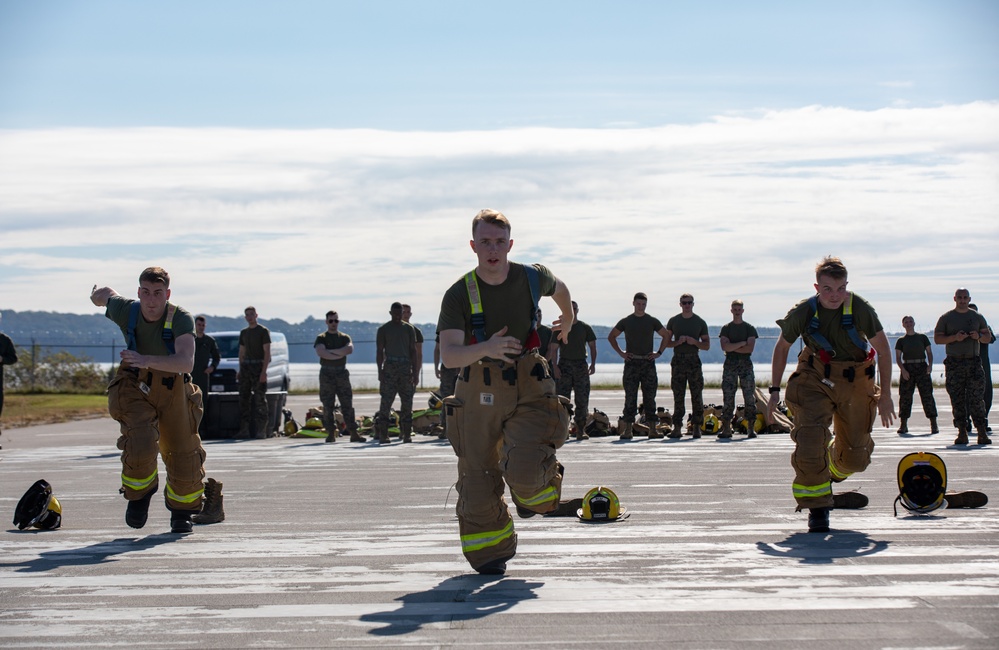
(833, 386)
(505, 420)
(154, 400)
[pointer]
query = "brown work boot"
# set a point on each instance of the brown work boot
(331, 436)
(902, 427)
(933, 426)
(962, 437)
(212, 512)
(356, 437)
(624, 430)
(726, 431)
(983, 437)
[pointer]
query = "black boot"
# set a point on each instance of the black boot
(138, 511)
(818, 520)
(180, 522)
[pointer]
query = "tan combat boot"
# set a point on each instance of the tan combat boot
(212, 512)
(902, 426)
(962, 436)
(624, 430)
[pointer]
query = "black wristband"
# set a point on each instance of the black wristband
(774, 389)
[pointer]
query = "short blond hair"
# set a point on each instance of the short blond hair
(493, 217)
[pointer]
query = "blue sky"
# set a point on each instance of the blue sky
(307, 155)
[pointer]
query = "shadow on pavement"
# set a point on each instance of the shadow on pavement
(95, 554)
(824, 548)
(480, 595)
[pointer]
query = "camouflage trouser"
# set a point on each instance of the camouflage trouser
(334, 384)
(966, 387)
(686, 370)
(736, 371)
(576, 377)
(919, 377)
(640, 372)
(449, 377)
(397, 379)
(252, 396)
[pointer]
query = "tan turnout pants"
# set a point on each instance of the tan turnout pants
(818, 403)
(505, 423)
(159, 412)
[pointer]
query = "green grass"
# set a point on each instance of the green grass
(23, 410)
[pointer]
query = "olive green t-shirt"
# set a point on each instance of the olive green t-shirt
(694, 327)
(332, 341)
(575, 348)
(254, 339)
(396, 339)
(148, 336)
(913, 347)
(865, 320)
(638, 331)
(508, 304)
(738, 333)
(953, 322)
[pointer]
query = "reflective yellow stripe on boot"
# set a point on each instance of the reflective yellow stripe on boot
(479, 541)
(138, 484)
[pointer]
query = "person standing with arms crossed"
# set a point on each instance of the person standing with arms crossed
(738, 340)
(963, 330)
(832, 386)
(505, 420)
(332, 348)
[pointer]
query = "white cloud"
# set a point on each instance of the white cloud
(298, 221)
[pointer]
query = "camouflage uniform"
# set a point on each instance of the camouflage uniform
(919, 377)
(334, 383)
(965, 376)
(397, 378)
(686, 369)
(966, 387)
(640, 372)
(738, 370)
(576, 377)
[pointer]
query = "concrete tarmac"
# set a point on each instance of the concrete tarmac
(356, 545)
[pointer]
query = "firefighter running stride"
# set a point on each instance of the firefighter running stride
(505, 420)
(154, 400)
(833, 385)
